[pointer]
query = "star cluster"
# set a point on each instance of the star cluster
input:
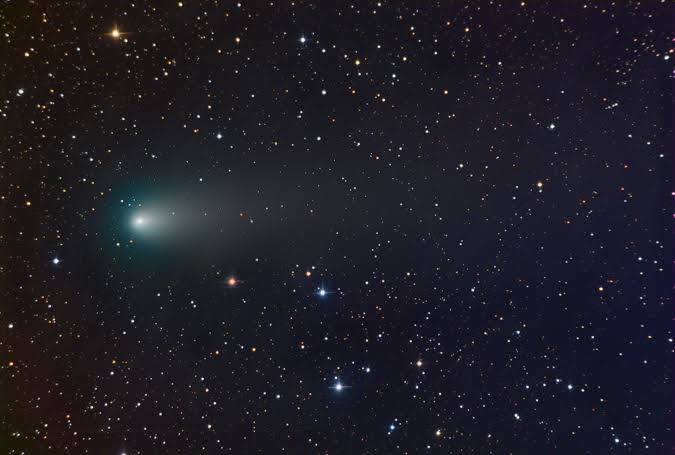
(356, 228)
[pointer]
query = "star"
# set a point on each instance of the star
(339, 386)
(303, 40)
(115, 33)
(56, 261)
(322, 292)
(232, 281)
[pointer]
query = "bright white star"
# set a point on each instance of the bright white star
(338, 386)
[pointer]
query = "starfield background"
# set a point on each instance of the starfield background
(336, 227)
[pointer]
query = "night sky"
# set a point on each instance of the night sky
(338, 228)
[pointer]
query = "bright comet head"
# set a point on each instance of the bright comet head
(142, 222)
